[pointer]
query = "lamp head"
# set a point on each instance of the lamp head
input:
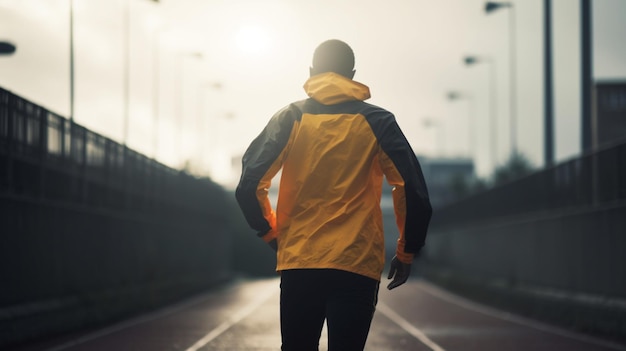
(491, 6)
(427, 123)
(454, 95)
(6, 48)
(470, 60)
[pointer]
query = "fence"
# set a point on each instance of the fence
(551, 245)
(91, 231)
(46, 156)
(594, 179)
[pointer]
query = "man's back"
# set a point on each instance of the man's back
(328, 212)
(334, 150)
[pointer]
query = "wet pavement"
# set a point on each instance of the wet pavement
(244, 315)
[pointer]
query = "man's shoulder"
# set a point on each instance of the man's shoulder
(376, 113)
(291, 110)
(376, 108)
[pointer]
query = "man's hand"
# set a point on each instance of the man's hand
(399, 271)
(273, 244)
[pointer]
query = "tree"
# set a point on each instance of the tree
(515, 167)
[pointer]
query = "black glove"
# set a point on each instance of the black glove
(399, 271)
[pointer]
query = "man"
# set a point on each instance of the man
(334, 150)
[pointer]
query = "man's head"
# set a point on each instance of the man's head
(333, 56)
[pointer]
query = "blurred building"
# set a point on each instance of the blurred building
(609, 119)
(448, 179)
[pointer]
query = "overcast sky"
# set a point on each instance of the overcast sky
(223, 67)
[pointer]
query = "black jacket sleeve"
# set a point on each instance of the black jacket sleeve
(258, 163)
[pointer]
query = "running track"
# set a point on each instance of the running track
(243, 315)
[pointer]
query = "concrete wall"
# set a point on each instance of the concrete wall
(578, 252)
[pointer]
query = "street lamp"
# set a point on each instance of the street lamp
(71, 62)
(156, 89)
(126, 75)
(179, 112)
(159, 28)
(455, 95)
(548, 139)
(126, 72)
(586, 73)
(432, 123)
(491, 6)
(472, 60)
(204, 133)
(6, 48)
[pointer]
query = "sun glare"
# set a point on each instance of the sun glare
(252, 40)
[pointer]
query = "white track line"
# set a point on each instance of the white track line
(177, 307)
(408, 327)
(138, 320)
(236, 318)
(492, 312)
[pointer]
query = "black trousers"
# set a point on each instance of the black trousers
(346, 301)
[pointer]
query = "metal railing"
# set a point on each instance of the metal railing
(92, 230)
(44, 155)
(593, 179)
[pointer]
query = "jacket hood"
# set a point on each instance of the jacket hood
(332, 88)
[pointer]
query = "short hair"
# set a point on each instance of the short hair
(334, 56)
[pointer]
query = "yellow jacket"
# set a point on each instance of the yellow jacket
(334, 150)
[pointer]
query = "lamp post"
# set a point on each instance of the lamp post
(455, 95)
(179, 109)
(490, 7)
(472, 60)
(204, 132)
(431, 123)
(71, 62)
(548, 114)
(158, 30)
(126, 71)
(586, 74)
(127, 24)
(156, 89)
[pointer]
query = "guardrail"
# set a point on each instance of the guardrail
(550, 245)
(44, 155)
(592, 179)
(92, 231)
